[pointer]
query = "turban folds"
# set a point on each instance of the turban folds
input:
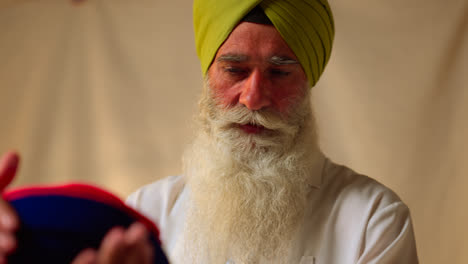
(306, 25)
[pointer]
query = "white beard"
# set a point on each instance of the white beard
(248, 191)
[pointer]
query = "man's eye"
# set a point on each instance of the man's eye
(234, 70)
(278, 72)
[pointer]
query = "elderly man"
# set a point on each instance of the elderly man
(256, 187)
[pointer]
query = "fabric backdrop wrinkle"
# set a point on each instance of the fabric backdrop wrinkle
(104, 91)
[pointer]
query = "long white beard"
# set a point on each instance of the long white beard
(248, 191)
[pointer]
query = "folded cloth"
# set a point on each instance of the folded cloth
(57, 222)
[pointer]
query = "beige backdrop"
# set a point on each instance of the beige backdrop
(103, 91)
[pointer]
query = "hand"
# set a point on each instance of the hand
(120, 246)
(8, 219)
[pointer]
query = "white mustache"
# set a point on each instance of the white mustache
(242, 115)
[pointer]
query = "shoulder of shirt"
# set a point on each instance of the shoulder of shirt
(156, 199)
(358, 208)
(347, 186)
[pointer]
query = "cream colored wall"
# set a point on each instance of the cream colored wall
(104, 91)
(100, 91)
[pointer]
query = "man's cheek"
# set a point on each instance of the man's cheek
(287, 96)
(225, 94)
(224, 99)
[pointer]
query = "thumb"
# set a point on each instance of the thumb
(8, 166)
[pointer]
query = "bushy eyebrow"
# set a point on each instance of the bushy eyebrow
(282, 60)
(276, 60)
(233, 58)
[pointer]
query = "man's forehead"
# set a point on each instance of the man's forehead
(250, 41)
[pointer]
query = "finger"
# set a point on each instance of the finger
(87, 256)
(140, 249)
(8, 219)
(8, 224)
(141, 253)
(7, 243)
(8, 166)
(148, 253)
(135, 233)
(112, 248)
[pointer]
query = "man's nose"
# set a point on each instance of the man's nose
(254, 94)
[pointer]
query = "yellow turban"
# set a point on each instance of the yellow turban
(306, 25)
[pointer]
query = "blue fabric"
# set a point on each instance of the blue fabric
(55, 228)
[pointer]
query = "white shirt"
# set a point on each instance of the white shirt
(350, 218)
